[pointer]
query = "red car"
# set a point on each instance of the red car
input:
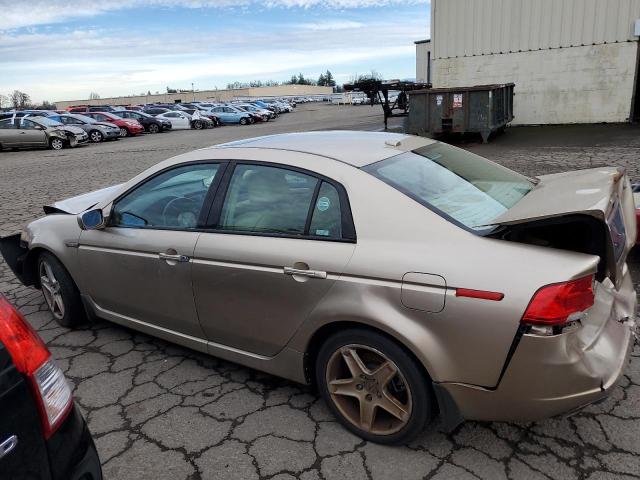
(128, 126)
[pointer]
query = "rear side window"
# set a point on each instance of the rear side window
(326, 220)
(263, 199)
(464, 187)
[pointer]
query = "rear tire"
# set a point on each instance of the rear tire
(402, 386)
(60, 291)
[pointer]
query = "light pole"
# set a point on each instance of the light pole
(193, 91)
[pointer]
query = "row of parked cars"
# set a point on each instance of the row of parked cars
(82, 124)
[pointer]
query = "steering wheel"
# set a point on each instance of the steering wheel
(180, 212)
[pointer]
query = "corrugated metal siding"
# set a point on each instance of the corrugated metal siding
(482, 27)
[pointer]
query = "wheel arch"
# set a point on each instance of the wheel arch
(325, 331)
(30, 265)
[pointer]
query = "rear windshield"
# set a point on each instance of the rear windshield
(463, 187)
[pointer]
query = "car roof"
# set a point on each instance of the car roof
(351, 147)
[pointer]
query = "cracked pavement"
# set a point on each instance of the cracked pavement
(159, 411)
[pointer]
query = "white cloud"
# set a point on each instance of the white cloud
(331, 25)
(60, 63)
(16, 14)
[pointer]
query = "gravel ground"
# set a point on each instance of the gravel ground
(159, 411)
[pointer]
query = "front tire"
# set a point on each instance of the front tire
(197, 125)
(154, 128)
(95, 136)
(56, 143)
(375, 388)
(60, 291)
(243, 121)
(124, 132)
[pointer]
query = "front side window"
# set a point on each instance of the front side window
(27, 125)
(264, 199)
(469, 189)
(172, 199)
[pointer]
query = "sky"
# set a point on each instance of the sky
(64, 50)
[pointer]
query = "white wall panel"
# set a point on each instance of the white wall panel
(483, 27)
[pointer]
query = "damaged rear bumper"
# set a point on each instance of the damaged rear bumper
(15, 254)
(559, 374)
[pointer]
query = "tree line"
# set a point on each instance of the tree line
(21, 100)
(324, 80)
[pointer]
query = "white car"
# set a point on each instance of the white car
(179, 120)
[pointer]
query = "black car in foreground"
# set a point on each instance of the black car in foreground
(43, 436)
(150, 123)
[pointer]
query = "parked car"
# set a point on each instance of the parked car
(156, 110)
(93, 108)
(268, 106)
(260, 115)
(229, 114)
(150, 123)
(97, 131)
(127, 126)
(39, 132)
(209, 119)
(26, 113)
(42, 433)
(400, 275)
(182, 120)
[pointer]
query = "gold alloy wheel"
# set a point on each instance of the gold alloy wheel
(368, 389)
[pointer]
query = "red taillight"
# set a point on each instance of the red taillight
(553, 304)
(32, 358)
(23, 343)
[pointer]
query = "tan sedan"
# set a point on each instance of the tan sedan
(403, 277)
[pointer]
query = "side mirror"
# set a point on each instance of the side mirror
(92, 220)
(38, 127)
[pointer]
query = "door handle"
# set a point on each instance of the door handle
(173, 258)
(304, 273)
(8, 445)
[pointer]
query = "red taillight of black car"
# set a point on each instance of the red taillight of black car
(32, 358)
(552, 305)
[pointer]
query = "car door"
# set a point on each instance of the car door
(8, 132)
(223, 115)
(183, 120)
(138, 267)
(30, 134)
(279, 239)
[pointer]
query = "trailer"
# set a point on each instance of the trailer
(391, 94)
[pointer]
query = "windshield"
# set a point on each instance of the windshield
(464, 187)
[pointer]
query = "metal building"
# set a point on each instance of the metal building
(572, 61)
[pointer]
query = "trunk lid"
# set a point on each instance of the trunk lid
(603, 194)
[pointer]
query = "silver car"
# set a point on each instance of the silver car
(96, 130)
(401, 276)
(39, 132)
